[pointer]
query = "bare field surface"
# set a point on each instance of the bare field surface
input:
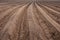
(30, 21)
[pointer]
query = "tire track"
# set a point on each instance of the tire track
(11, 24)
(6, 18)
(56, 25)
(10, 6)
(42, 22)
(31, 21)
(51, 9)
(51, 28)
(54, 16)
(8, 10)
(36, 32)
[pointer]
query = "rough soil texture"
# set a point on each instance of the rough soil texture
(30, 21)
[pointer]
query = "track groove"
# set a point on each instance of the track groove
(29, 21)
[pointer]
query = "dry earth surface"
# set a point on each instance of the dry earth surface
(30, 21)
